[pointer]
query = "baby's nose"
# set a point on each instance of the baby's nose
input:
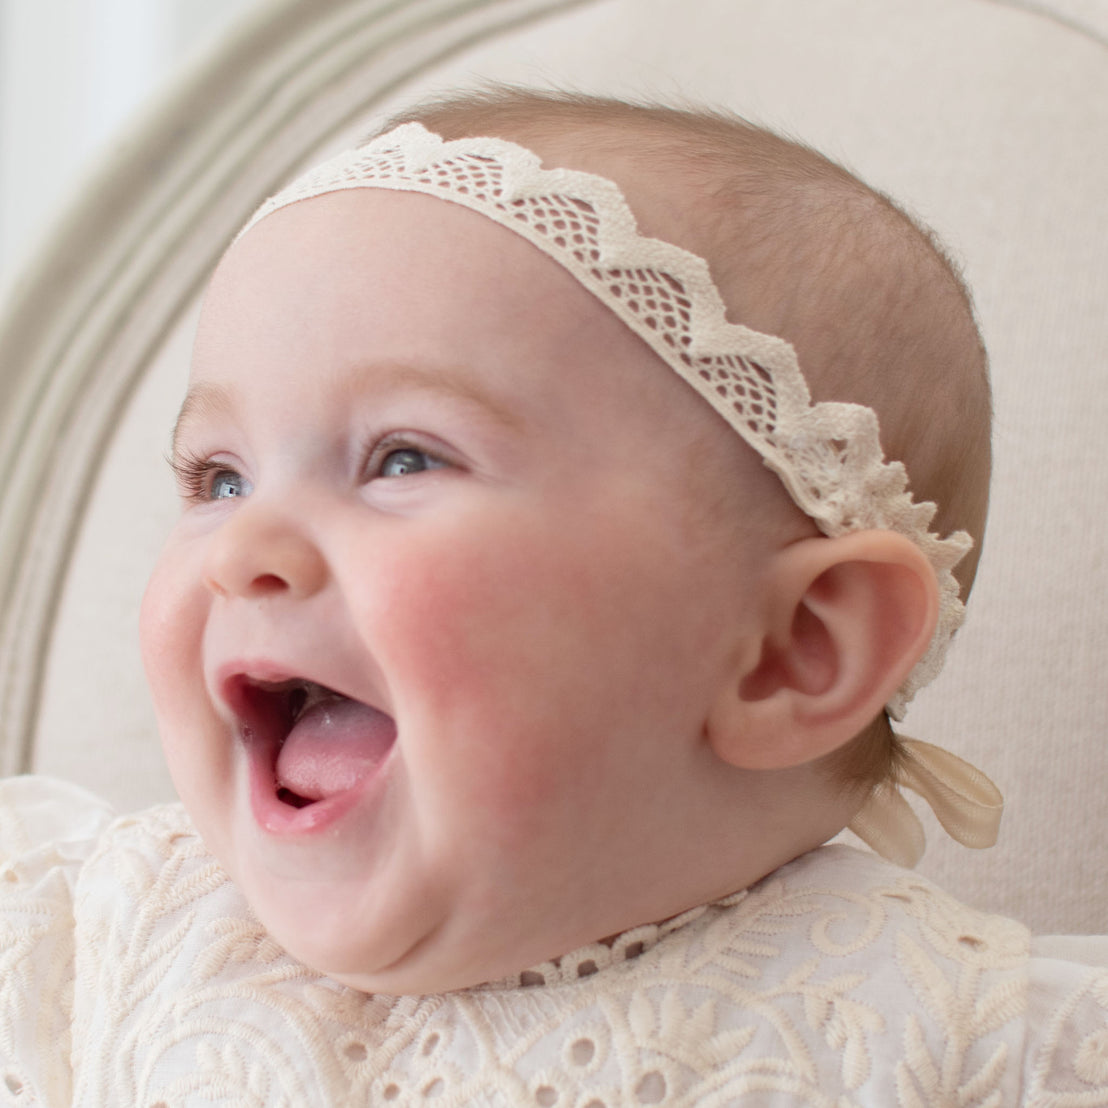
(260, 553)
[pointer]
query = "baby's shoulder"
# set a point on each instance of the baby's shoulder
(845, 903)
(48, 831)
(836, 979)
(46, 824)
(840, 978)
(67, 865)
(846, 920)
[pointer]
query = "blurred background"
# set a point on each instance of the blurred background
(73, 73)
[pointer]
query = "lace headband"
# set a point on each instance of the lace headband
(827, 455)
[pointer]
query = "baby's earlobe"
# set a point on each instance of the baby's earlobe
(847, 620)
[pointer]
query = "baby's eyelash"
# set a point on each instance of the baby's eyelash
(193, 475)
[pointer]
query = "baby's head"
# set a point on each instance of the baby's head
(801, 249)
(482, 635)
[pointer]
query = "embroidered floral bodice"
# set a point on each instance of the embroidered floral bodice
(132, 973)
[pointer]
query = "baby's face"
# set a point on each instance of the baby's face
(433, 641)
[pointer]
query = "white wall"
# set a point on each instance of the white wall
(72, 73)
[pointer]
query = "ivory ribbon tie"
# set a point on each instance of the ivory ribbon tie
(964, 800)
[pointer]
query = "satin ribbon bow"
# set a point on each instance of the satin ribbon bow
(964, 800)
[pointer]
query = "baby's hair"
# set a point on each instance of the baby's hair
(802, 249)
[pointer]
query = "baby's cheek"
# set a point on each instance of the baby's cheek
(495, 602)
(159, 625)
(479, 636)
(171, 627)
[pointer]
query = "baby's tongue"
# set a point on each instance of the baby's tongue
(333, 746)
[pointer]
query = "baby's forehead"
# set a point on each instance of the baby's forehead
(357, 245)
(430, 285)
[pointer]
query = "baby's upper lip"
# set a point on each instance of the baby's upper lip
(260, 694)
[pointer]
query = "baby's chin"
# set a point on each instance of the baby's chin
(420, 971)
(420, 956)
(413, 953)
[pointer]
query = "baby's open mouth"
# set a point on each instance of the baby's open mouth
(317, 742)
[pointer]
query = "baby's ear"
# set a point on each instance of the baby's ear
(846, 620)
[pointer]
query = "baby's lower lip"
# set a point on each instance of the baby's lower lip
(278, 817)
(308, 771)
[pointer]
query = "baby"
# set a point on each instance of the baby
(537, 607)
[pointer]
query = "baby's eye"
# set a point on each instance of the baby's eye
(407, 460)
(226, 483)
(201, 480)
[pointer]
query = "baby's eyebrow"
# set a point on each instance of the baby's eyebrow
(203, 399)
(206, 399)
(454, 384)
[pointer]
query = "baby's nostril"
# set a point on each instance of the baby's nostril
(268, 583)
